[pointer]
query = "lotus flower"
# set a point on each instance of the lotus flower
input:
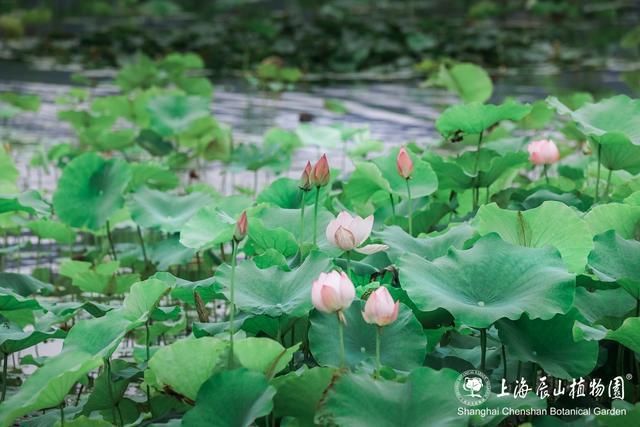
(305, 179)
(332, 293)
(320, 172)
(543, 152)
(348, 233)
(380, 308)
(404, 164)
(242, 227)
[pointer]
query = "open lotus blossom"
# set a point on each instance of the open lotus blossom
(332, 293)
(348, 233)
(543, 152)
(380, 308)
(404, 164)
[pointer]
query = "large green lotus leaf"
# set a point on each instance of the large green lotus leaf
(553, 224)
(183, 289)
(403, 344)
(30, 201)
(492, 280)
(285, 193)
(101, 278)
(231, 399)
(469, 81)
(213, 224)
(365, 182)
(90, 190)
(278, 239)
(173, 114)
(474, 117)
(13, 338)
(169, 252)
(23, 285)
(622, 218)
(152, 175)
(430, 247)
(299, 394)
(617, 152)
(49, 229)
(272, 291)
(86, 345)
(263, 355)
(166, 211)
(619, 114)
(426, 399)
(450, 174)
(10, 301)
(616, 259)
(423, 179)
(604, 306)
(185, 365)
(528, 341)
(628, 334)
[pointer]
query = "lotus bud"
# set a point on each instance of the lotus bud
(332, 293)
(305, 179)
(543, 152)
(404, 164)
(320, 173)
(241, 228)
(380, 308)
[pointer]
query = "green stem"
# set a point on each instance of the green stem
(638, 307)
(410, 207)
(148, 355)
(349, 264)
(504, 362)
(113, 248)
(114, 406)
(606, 188)
(483, 349)
(545, 170)
(341, 338)
(5, 363)
(62, 414)
(378, 334)
(232, 300)
(393, 204)
(144, 249)
(597, 195)
(302, 206)
(476, 188)
(315, 215)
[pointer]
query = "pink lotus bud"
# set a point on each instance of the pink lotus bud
(332, 292)
(305, 184)
(320, 173)
(380, 308)
(348, 233)
(543, 152)
(241, 228)
(404, 164)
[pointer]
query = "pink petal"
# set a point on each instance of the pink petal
(372, 249)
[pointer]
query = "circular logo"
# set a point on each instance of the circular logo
(472, 387)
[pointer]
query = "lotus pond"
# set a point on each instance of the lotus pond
(369, 255)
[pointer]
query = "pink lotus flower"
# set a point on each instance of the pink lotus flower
(380, 308)
(543, 152)
(242, 226)
(332, 292)
(348, 233)
(320, 172)
(305, 179)
(404, 164)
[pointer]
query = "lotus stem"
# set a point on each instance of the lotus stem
(378, 336)
(545, 170)
(232, 306)
(62, 414)
(393, 204)
(343, 363)
(315, 216)
(5, 362)
(483, 349)
(144, 249)
(114, 405)
(349, 264)
(302, 206)
(113, 248)
(504, 362)
(606, 188)
(597, 195)
(148, 355)
(410, 207)
(476, 188)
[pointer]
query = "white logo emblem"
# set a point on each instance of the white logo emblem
(472, 387)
